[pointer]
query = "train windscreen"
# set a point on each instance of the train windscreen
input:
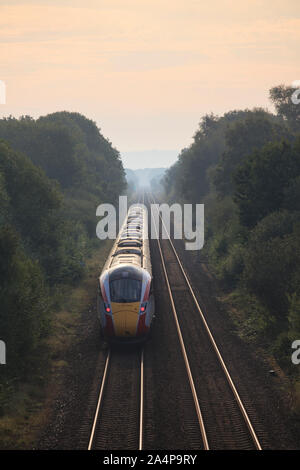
(125, 290)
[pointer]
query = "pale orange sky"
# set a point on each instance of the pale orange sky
(146, 70)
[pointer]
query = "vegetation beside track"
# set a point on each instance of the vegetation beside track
(245, 167)
(54, 172)
(29, 402)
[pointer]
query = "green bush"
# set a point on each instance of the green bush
(233, 265)
(253, 319)
(24, 300)
(270, 267)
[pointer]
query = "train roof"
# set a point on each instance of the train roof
(130, 242)
(131, 247)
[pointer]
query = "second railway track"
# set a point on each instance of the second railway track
(223, 419)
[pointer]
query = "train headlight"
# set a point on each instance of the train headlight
(143, 307)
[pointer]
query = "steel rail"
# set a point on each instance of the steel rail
(99, 403)
(97, 415)
(141, 429)
(185, 357)
(214, 344)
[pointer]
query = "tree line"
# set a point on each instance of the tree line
(245, 167)
(54, 172)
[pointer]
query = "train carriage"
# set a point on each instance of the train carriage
(125, 301)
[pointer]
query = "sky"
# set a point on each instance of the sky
(146, 70)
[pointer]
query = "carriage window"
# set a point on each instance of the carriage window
(125, 290)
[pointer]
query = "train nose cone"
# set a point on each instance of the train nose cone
(125, 317)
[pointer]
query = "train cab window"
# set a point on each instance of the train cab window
(125, 290)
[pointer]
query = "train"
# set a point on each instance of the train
(125, 299)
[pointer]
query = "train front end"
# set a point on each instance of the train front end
(125, 303)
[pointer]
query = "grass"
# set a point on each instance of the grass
(28, 404)
(296, 398)
(255, 326)
(249, 317)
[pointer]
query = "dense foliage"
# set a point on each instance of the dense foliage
(245, 167)
(54, 172)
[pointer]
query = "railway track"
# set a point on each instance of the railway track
(118, 419)
(223, 420)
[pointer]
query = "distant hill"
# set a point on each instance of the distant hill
(142, 177)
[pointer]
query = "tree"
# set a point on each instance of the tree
(281, 96)
(272, 260)
(24, 315)
(260, 183)
(242, 138)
